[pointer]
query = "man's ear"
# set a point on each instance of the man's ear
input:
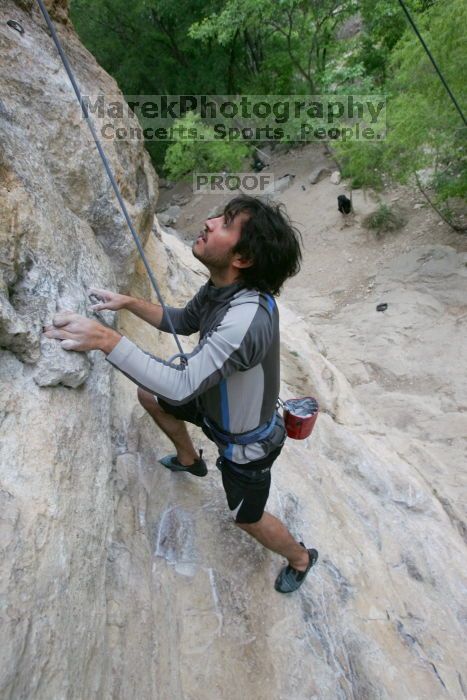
(240, 263)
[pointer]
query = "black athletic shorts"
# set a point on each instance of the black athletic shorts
(246, 485)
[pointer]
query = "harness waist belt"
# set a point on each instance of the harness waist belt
(260, 433)
(253, 474)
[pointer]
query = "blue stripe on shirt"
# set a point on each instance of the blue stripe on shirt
(225, 415)
(270, 301)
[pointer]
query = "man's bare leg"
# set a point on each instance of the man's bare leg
(269, 531)
(273, 535)
(174, 429)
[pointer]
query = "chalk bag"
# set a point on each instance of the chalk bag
(300, 416)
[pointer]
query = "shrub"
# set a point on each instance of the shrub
(384, 220)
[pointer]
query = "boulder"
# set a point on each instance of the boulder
(335, 178)
(169, 216)
(318, 174)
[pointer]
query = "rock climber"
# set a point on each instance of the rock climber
(229, 384)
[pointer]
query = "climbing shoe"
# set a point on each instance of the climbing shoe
(290, 579)
(198, 468)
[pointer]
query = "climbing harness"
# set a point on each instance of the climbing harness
(263, 431)
(259, 433)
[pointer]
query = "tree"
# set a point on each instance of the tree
(301, 31)
(427, 133)
(196, 148)
(425, 141)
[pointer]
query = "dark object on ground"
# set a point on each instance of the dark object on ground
(198, 468)
(258, 164)
(290, 579)
(381, 307)
(344, 204)
(303, 188)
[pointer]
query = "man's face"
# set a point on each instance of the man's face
(214, 245)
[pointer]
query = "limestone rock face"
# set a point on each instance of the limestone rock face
(60, 232)
(122, 580)
(381, 616)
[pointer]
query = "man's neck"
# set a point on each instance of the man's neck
(220, 279)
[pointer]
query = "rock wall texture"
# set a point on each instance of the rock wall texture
(60, 232)
(121, 580)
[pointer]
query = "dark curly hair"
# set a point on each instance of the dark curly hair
(267, 238)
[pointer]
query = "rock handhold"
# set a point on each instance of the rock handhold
(57, 366)
(16, 335)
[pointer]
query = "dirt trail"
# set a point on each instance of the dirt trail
(339, 254)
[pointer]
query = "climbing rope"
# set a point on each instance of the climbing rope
(435, 65)
(108, 169)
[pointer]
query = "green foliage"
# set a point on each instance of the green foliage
(425, 128)
(189, 153)
(452, 182)
(383, 25)
(361, 163)
(424, 131)
(146, 46)
(289, 33)
(346, 76)
(293, 47)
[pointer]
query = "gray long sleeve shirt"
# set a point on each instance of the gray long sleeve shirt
(234, 370)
